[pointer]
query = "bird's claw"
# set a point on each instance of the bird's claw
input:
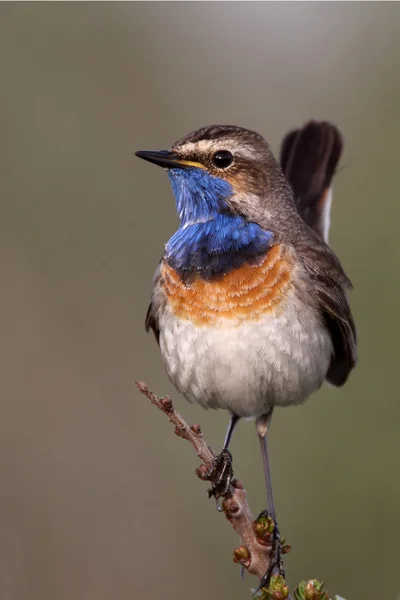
(220, 475)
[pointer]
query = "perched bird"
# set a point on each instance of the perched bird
(249, 303)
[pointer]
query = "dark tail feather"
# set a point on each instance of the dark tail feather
(309, 157)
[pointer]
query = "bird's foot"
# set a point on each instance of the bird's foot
(220, 475)
(276, 566)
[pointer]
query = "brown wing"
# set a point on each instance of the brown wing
(329, 283)
(309, 157)
(151, 321)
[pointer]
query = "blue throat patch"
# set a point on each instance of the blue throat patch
(211, 240)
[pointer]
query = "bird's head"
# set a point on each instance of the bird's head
(221, 169)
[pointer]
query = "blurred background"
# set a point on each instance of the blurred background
(98, 499)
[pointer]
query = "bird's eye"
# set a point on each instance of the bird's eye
(222, 159)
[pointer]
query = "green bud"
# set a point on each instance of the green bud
(278, 588)
(241, 555)
(263, 528)
(310, 590)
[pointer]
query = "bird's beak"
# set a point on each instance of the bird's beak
(167, 159)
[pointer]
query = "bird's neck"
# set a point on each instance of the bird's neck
(211, 240)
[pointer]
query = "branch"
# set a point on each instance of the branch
(256, 536)
(255, 553)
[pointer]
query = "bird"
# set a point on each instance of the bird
(249, 303)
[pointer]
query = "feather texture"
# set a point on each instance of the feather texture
(309, 157)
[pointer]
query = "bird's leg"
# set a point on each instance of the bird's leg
(262, 425)
(221, 472)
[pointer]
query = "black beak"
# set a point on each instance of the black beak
(162, 158)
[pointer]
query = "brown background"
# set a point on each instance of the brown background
(97, 498)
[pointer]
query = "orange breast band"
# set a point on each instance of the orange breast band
(242, 294)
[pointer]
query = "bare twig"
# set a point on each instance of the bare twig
(256, 537)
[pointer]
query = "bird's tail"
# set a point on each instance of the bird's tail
(309, 157)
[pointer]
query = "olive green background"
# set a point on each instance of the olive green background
(98, 499)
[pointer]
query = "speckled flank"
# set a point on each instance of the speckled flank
(246, 293)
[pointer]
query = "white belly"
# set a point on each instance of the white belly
(278, 360)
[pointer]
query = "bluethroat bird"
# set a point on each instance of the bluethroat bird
(249, 303)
